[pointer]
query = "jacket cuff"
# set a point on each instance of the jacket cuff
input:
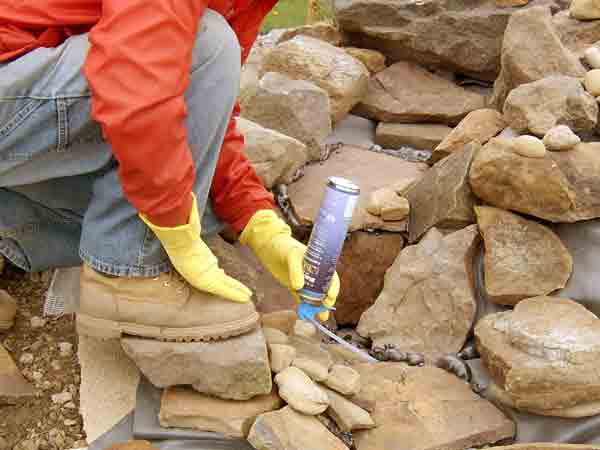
(240, 224)
(175, 217)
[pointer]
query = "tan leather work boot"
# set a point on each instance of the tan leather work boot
(8, 310)
(165, 307)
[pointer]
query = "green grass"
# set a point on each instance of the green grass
(286, 14)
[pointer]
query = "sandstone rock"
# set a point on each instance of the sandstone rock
(306, 330)
(561, 187)
(557, 100)
(296, 108)
(282, 320)
(288, 430)
(300, 392)
(343, 379)
(479, 126)
(185, 408)
(12, 383)
(544, 354)
(529, 146)
(396, 210)
(408, 93)
(426, 33)
(314, 369)
(380, 197)
(576, 35)
(313, 350)
(275, 156)
(511, 3)
(365, 259)
(522, 258)
(420, 136)
(592, 57)
(581, 167)
(560, 138)
(250, 74)
(343, 77)
(236, 368)
(532, 50)
(430, 281)
(358, 165)
(443, 197)
(534, 186)
(281, 357)
(592, 82)
(320, 30)
(274, 336)
(373, 60)
(427, 408)
(348, 416)
(585, 9)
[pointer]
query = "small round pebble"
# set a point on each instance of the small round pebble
(561, 138)
(592, 57)
(26, 358)
(65, 348)
(592, 82)
(37, 322)
(529, 146)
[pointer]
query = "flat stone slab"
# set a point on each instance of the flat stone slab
(235, 368)
(358, 165)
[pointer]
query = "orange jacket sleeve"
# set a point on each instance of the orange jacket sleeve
(138, 70)
(237, 192)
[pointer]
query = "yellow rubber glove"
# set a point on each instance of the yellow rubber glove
(270, 238)
(192, 258)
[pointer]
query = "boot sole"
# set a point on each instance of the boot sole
(107, 329)
(6, 325)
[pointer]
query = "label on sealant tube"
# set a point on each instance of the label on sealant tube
(327, 238)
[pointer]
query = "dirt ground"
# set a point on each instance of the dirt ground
(42, 352)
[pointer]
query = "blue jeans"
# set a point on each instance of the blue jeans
(60, 198)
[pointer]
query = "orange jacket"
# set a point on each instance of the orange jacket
(138, 70)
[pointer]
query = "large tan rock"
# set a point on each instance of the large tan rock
(427, 304)
(408, 93)
(478, 126)
(557, 100)
(348, 416)
(426, 136)
(427, 408)
(561, 187)
(236, 368)
(300, 392)
(427, 34)
(320, 30)
(295, 108)
(585, 9)
(185, 408)
(443, 197)
(287, 429)
(544, 354)
(250, 74)
(343, 379)
(313, 350)
(275, 156)
(532, 50)
(373, 60)
(576, 35)
(358, 165)
(365, 259)
(522, 258)
(343, 77)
